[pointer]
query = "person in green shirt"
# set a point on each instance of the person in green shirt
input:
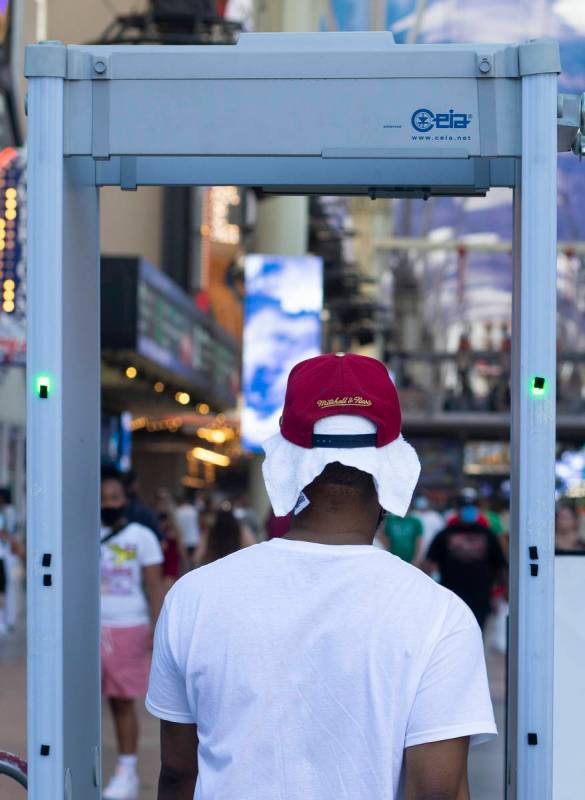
(495, 513)
(404, 537)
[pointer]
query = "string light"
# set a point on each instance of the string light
(221, 199)
(159, 387)
(131, 373)
(183, 398)
(216, 435)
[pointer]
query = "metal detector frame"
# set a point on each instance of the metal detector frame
(290, 113)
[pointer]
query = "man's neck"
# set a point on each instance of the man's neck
(331, 533)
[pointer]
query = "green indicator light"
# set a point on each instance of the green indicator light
(43, 386)
(538, 386)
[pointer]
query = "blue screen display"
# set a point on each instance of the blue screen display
(284, 300)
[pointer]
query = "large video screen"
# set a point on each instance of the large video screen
(284, 300)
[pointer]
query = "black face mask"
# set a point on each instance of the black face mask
(110, 516)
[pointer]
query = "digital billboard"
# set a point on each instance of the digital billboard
(284, 300)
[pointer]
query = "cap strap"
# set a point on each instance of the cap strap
(344, 440)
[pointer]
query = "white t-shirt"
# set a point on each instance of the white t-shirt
(308, 668)
(432, 523)
(123, 601)
(8, 525)
(188, 522)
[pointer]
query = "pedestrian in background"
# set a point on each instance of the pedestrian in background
(403, 537)
(206, 509)
(432, 521)
(176, 561)
(245, 514)
(131, 598)
(468, 557)
(567, 528)
(187, 517)
(136, 510)
(225, 537)
(7, 559)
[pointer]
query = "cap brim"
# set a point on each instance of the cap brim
(288, 469)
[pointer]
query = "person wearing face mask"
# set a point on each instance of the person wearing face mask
(467, 556)
(131, 599)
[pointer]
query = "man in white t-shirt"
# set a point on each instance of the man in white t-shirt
(187, 518)
(431, 520)
(357, 676)
(131, 598)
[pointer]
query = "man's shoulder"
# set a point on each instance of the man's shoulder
(225, 573)
(399, 570)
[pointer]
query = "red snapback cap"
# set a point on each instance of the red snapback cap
(340, 383)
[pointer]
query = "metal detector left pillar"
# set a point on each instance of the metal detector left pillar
(63, 454)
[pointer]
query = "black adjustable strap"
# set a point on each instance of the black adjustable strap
(111, 534)
(344, 440)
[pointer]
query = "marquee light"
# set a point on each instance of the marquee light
(211, 457)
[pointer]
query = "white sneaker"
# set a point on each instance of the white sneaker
(123, 785)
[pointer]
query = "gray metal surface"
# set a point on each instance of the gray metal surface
(300, 175)
(302, 101)
(533, 450)
(62, 458)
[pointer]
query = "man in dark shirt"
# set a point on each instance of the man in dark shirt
(468, 557)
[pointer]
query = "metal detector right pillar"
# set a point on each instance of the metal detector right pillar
(531, 635)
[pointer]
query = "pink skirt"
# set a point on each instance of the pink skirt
(125, 656)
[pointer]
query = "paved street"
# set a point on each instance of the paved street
(486, 761)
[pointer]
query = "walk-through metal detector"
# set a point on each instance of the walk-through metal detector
(290, 113)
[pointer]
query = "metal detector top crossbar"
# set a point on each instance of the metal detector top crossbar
(349, 113)
(299, 113)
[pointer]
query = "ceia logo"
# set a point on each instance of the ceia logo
(424, 120)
